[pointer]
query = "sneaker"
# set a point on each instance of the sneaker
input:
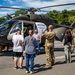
(27, 72)
(16, 67)
(31, 72)
(21, 68)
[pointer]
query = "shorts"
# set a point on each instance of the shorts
(18, 55)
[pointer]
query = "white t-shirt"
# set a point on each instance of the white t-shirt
(17, 43)
(36, 36)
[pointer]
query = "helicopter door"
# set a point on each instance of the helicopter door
(14, 29)
(26, 28)
(40, 27)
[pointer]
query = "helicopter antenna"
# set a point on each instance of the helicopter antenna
(9, 16)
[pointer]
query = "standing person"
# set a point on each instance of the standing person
(27, 30)
(49, 45)
(38, 39)
(30, 50)
(18, 49)
(67, 46)
(72, 44)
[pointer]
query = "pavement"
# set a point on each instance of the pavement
(60, 67)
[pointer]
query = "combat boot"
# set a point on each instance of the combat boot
(48, 65)
(52, 63)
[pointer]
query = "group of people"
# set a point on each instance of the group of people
(28, 45)
(25, 47)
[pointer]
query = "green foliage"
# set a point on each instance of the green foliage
(74, 30)
(2, 19)
(65, 17)
(6, 26)
(20, 12)
(71, 19)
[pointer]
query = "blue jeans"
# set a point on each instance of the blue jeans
(38, 45)
(30, 57)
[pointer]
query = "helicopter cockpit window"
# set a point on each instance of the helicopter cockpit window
(6, 26)
(16, 27)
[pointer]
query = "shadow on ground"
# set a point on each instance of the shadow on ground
(58, 49)
(59, 63)
(73, 61)
(40, 68)
(10, 53)
(6, 53)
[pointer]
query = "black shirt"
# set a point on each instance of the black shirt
(67, 39)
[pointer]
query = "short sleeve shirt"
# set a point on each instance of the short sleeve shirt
(36, 36)
(17, 39)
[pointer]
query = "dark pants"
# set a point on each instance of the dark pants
(30, 57)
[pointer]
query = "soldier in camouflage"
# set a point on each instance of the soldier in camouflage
(49, 45)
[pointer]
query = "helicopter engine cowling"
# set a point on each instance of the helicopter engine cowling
(60, 32)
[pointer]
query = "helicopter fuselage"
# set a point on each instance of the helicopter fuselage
(6, 36)
(33, 21)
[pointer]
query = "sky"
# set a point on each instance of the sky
(34, 3)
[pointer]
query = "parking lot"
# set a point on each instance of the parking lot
(60, 67)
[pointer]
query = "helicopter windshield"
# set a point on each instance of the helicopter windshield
(16, 27)
(6, 26)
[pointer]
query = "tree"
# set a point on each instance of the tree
(20, 12)
(2, 19)
(71, 19)
(65, 17)
(56, 15)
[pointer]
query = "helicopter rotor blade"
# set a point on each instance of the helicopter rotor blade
(57, 5)
(33, 10)
(12, 7)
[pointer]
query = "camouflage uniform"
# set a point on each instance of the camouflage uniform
(49, 47)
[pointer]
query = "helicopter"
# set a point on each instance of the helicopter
(33, 21)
